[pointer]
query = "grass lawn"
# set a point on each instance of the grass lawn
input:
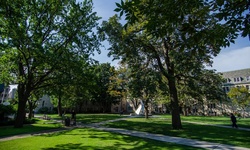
(163, 125)
(241, 122)
(39, 125)
(90, 139)
(90, 118)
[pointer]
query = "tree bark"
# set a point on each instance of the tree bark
(146, 111)
(176, 120)
(22, 100)
(59, 105)
(30, 110)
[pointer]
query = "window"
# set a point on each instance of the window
(43, 104)
(247, 86)
(211, 105)
(248, 78)
(238, 79)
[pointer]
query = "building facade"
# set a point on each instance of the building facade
(237, 78)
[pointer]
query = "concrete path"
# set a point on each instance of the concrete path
(176, 140)
(159, 137)
(164, 138)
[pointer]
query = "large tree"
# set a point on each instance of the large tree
(43, 36)
(176, 39)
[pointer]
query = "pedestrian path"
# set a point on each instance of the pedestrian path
(176, 140)
(164, 138)
(158, 137)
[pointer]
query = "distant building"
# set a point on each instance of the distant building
(44, 102)
(236, 78)
(10, 91)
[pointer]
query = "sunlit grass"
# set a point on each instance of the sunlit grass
(86, 138)
(194, 131)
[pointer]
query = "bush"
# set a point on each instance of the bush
(43, 110)
(7, 110)
(12, 121)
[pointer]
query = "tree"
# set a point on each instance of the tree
(176, 39)
(32, 101)
(101, 94)
(143, 85)
(240, 96)
(204, 86)
(42, 36)
(234, 14)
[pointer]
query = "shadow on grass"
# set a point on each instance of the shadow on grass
(28, 129)
(94, 139)
(191, 131)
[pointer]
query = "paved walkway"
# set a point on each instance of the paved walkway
(159, 137)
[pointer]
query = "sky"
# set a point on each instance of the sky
(235, 57)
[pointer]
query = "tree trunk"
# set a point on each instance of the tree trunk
(59, 105)
(176, 120)
(146, 111)
(185, 113)
(30, 110)
(22, 100)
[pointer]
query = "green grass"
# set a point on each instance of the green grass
(193, 131)
(241, 122)
(88, 139)
(90, 118)
(39, 125)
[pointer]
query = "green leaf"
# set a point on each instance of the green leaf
(117, 9)
(118, 5)
(121, 13)
(220, 2)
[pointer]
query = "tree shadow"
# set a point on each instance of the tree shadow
(106, 140)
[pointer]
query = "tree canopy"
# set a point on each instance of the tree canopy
(176, 40)
(39, 38)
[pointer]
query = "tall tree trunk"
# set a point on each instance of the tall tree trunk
(176, 119)
(146, 111)
(22, 100)
(59, 105)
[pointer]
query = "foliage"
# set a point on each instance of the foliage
(43, 110)
(240, 96)
(102, 79)
(7, 110)
(235, 14)
(39, 38)
(175, 40)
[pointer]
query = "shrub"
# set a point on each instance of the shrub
(43, 110)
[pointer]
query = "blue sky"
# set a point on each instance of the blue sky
(235, 57)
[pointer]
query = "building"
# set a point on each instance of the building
(44, 102)
(10, 91)
(236, 78)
